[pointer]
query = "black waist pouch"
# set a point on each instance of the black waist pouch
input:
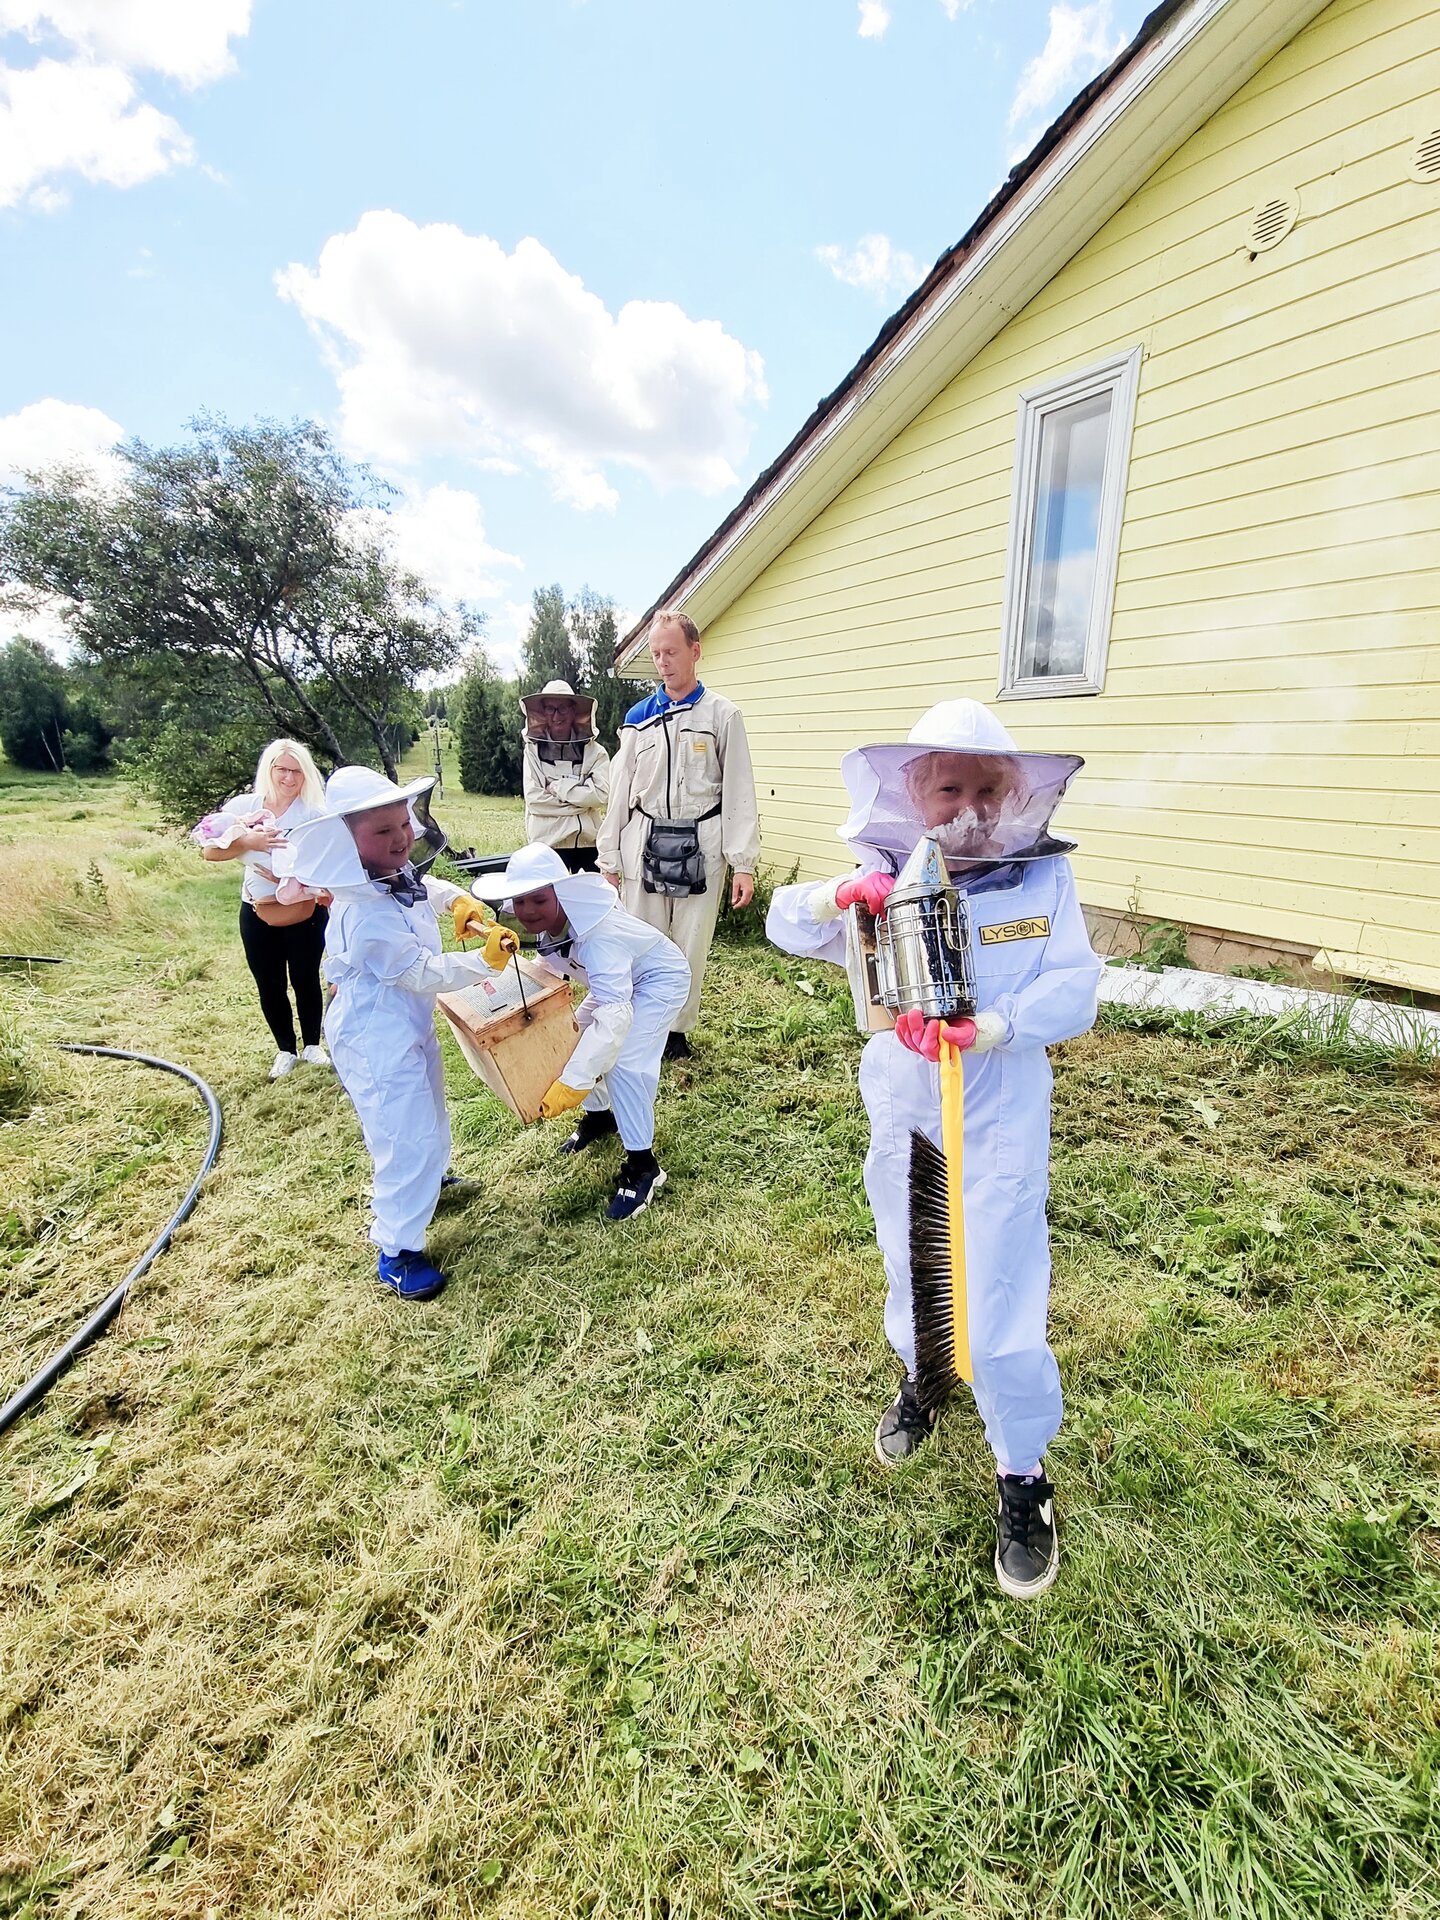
(673, 862)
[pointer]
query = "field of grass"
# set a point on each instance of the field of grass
(579, 1592)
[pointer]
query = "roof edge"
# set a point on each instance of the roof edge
(944, 270)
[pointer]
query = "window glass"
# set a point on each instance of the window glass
(1060, 578)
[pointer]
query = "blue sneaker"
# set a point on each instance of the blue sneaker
(641, 1178)
(410, 1275)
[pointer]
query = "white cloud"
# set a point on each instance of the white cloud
(874, 19)
(874, 264)
(83, 115)
(954, 8)
(187, 40)
(1080, 42)
(505, 634)
(60, 117)
(439, 533)
(443, 344)
(52, 433)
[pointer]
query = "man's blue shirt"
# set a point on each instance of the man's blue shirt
(657, 703)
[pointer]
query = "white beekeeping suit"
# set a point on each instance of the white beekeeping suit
(1036, 978)
(690, 762)
(565, 770)
(383, 957)
(637, 981)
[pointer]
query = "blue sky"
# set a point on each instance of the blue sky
(567, 272)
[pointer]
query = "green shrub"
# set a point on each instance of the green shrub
(26, 1074)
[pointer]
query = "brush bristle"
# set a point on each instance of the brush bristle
(932, 1284)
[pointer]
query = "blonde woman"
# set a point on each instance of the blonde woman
(280, 940)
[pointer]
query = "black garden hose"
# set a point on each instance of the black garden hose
(40, 1383)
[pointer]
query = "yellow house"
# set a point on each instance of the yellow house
(1151, 459)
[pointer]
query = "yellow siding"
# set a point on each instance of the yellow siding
(1265, 757)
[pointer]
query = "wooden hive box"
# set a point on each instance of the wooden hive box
(517, 1051)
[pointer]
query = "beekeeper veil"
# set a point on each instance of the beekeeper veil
(586, 897)
(322, 853)
(961, 777)
(559, 723)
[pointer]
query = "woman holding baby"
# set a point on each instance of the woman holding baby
(283, 941)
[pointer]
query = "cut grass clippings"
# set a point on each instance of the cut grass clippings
(579, 1591)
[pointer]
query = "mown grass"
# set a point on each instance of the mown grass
(579, 1592)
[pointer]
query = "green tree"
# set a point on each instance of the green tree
(576, 642)
(485, 718)
(258, 550)
(32, 707)
(548, 652)
(50, 717)
(594, 634)
(193, 749)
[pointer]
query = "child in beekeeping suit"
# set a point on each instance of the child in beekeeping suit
(638, 981)
(961, 776)
(383, 958)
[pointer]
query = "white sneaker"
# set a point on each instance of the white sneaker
(316, 1055)
(284, 1063)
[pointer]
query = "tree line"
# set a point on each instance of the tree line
(242, 586)
(574, 642)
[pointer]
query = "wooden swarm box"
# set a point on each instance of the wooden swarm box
(517, 1053)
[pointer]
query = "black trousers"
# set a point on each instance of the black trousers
(579, 859)
(271, 953)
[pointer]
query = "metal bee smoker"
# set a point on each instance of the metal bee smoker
(916, 956)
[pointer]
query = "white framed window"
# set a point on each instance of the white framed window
(1072, 450)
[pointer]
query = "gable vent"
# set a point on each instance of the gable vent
(1271, 220)
(1425, 157)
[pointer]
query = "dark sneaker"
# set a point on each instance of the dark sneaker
(1027, 1551)
(904, 1426)
(454, 1188)
(641, 1178)
(592, 1127)
(411, 1275)
(677, 1047)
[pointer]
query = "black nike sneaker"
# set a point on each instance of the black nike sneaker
(904, 1426)
(592, 1127)
(677, 1047)
(1027, 1551)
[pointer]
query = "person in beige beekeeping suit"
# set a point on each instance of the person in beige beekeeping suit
(566, 773)
(682, 808)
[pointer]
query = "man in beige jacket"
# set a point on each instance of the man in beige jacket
(566, 773)
(682, 808)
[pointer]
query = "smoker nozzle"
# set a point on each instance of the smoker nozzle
(923, 873)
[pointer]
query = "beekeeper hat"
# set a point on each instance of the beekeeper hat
(583, 704)
(883, 813)
(586, 897)
(322, 851)
(358, 789)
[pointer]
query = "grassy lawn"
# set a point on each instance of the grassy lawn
(579, 1592)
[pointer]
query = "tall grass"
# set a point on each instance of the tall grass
(26, 1075)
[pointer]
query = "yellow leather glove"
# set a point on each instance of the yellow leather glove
(471, 918)
(560, 1099)
(500, 944)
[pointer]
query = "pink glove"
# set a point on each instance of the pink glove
(869, 890)
(923, 1036)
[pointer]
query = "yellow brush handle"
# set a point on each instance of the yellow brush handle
(952, 1139)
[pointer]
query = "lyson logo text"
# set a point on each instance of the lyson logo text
(1015, 930)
